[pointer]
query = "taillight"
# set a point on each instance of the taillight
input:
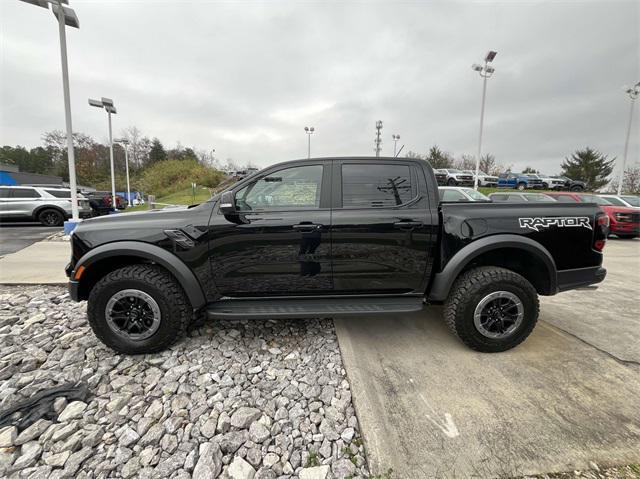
(601, 231)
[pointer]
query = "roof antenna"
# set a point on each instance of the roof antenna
(399, 151)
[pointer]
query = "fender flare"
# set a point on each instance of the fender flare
(443, 281)
(172, 263)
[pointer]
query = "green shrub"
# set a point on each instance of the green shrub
(169, 176)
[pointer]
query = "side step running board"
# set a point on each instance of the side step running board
(311, 308)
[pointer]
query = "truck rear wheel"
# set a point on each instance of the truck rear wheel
(138, 309)
(491, 309)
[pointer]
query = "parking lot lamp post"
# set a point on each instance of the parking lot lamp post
(395, 144)
(485, 71)
(125, 142)
(309, 131)
(633, 94)
(108, 105)
(65, 16)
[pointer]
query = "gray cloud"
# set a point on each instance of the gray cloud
(246, 77)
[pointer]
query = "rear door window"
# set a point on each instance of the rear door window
(24, 193)
(375, 185)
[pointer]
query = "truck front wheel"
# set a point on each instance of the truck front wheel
(491, 309)
(138, 309)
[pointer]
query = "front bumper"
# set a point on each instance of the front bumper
(579, 277)
(624, 228)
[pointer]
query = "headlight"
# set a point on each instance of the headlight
(624, 217)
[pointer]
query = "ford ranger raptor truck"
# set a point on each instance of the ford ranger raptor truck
(332, 237)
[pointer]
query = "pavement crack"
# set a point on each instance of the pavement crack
(626, 362)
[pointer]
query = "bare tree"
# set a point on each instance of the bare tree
(630, 182)
(466, 162)
(134, 135)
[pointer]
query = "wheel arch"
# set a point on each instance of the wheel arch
(111, 256)
(40, 209)
(516, 253)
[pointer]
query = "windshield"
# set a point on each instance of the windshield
(632, 200)
(615, 201)
(594, 199)
(454, 171)
(539, 198)
(475, 195)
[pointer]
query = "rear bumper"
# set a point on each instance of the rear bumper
(579, 277)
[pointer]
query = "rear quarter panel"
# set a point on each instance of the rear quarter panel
(570, 246)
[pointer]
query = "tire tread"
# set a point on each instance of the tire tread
(153, 275)
(461, 293)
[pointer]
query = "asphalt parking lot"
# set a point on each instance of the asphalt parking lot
(15, 236)
(567, 397)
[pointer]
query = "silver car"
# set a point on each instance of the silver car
(50, 205)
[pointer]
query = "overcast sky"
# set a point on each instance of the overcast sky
(245, 77)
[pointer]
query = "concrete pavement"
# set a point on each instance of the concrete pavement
(430, 407)
(609, 317)
(14, 236)
(40, 263)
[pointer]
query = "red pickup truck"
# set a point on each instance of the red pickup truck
(623, 222)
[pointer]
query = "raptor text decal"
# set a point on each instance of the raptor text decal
(560, 221)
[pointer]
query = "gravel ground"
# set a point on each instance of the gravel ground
(236, 399)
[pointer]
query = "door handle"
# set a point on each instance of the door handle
(307, 227)
(407, 224)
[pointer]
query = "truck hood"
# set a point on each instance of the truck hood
(147, 226)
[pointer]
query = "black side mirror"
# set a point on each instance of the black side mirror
(228, 203)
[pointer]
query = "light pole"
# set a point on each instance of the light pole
(107, 104)
(378, 140)
(633, 94)
(309, 131)
(485, 72)
(395, 143)
(65, 16)
(125, 142)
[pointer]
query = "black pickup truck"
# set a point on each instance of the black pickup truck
(329, 237)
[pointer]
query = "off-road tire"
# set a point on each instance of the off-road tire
(576, 188)
(522, 186)
(50, 217)
(451, 182)
(469, 289)
(154, 280)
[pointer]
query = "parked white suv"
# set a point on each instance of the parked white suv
(458, 178)
(483, 178)
(552, 183)
(50, 205)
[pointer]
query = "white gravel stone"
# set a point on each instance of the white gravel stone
(239, 469)
(8, 436)
(29, 454)
(74, 410)
(261, 394)
(209, 461)
(244, 416)
(258, 432)
(57, 460)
